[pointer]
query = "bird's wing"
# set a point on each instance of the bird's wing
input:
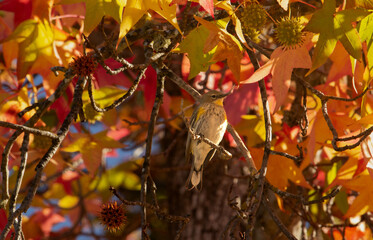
(189, 139)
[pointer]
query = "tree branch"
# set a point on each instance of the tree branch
(146, 165)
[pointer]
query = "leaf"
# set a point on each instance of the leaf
(104, 79)
(68, 201)
(350, 233)
(253, 128)
(96, 9)
(3, 221)
(280, 170)
(243, 98)
(208, 5)
(341, 64)
(284, 4)
(105, 95)
(366, 33)
(363, 202)
(20, 8)
(120, 176)
(226, 5)
(91, 147)
(35, 44)
(332, 27)
(135, 9)
(193, 45)
(281, 65)
(367, 152)
(228, 47)
(46, 218)
(367, 4)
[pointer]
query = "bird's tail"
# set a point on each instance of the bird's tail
(195, 179)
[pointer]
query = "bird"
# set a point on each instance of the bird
(209, 120)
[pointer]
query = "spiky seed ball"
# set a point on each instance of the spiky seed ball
(289, 32)
(112, 216)
(253, 34)
(83, 65)
(253, 15)
(91, 115)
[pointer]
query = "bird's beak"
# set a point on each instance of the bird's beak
(223, 95)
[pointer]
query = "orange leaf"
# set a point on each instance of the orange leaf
(367, 151)
(280, 170)
(281, 65)
(228, 47)
(363, 202)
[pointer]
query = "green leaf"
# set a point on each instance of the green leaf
(367, 4)
(341, 201)
(332, 27)
(193, 45)
(346, 33)
(105, 95)
(366, 33)
(332, 173)
(120, 176)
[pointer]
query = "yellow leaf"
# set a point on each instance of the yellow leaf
(135, 9)
(68, 201)
(35, 40)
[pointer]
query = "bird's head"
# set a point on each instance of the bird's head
(214, 96)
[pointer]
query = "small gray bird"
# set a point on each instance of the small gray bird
(210, 121)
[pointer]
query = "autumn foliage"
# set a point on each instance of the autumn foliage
(96, 96)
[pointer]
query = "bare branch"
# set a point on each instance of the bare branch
(29, 130)
(146, 165)
(253, 208)
(278, 222)
(117, 102)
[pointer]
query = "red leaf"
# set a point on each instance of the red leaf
(240, 101)
(20, 8)
(105, 79)
(46, 218)
(208, 5)
(149, 84)
(3, 221)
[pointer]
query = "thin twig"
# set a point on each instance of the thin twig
(5, 155)
(278, 222)
(28, 129)
(21, 172)
(146, 165)
(158, 211)
(120, 100)
(62, 132)
(267, 146)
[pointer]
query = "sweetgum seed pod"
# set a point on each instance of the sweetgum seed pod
(289, 32)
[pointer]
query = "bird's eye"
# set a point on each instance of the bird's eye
(213, 96)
